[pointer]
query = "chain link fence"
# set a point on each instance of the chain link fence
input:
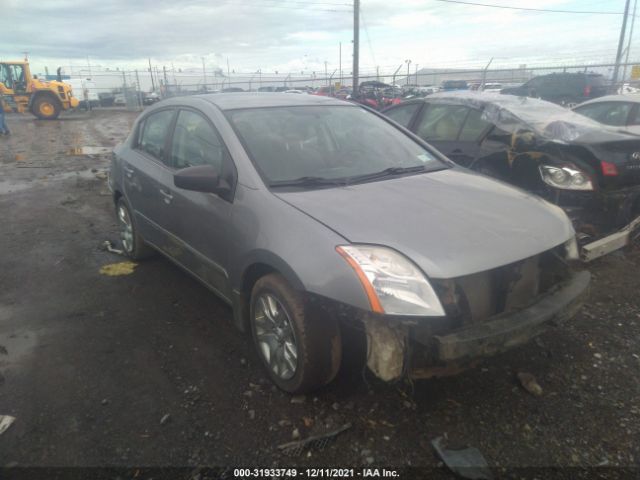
(133, 89)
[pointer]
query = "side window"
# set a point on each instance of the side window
(403, 114)
(474, 126)
(18, 78)
(636, 120)
(535, 82)
(4, 76)
(195, 142)
(154, 134)
(441, 122)
(609, 113)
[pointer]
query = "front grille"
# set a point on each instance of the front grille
(476, 298)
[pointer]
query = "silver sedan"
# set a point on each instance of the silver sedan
(307, 213)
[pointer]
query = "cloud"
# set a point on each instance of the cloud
(288, 34)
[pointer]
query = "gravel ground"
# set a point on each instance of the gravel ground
(147, 369)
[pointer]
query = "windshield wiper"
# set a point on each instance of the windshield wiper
(389, 172)
(308, 181)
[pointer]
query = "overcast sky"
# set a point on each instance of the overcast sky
(300, 35)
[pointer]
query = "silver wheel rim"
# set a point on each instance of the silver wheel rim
(275, 336)
(126, 229)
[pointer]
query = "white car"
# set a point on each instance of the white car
(119, 100)
(622, 111)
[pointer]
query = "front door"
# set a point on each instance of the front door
(200, 221)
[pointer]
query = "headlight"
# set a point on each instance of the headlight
(565, 177)
(392, 282)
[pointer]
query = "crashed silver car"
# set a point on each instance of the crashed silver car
(304, 212)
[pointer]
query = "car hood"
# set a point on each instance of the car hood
(451, 222)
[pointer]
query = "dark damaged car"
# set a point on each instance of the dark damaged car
(306, 213)
(592, 171)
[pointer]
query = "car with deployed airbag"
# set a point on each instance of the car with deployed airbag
(590, 170)
(308, 215)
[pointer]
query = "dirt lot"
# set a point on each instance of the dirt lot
(90, 364)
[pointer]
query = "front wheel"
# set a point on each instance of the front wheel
(299, 347)
(46, 108)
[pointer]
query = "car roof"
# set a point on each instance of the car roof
(479, 99)
(232, 101)
(613, 98)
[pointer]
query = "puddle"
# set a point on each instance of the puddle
(16, 186)
(15, 346)
(8, 187)
(78, 151)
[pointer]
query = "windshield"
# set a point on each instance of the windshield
(327, 142)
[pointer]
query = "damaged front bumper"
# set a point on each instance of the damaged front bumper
(401, 348)
(512, 329)
(605, 222)
(610, 243)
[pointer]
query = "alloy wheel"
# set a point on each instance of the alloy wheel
(275, 336)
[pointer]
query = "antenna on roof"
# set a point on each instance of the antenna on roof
(26, 56)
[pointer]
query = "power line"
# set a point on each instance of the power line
(290, 6)
(529, 9)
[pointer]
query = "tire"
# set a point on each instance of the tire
(45, 107)
(132, 242)
(315, 336)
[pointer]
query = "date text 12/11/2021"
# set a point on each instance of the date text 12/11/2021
(315, 473)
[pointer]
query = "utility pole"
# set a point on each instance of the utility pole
(408, 62)
(633, 22)
(377, 73)
(614, 81)
(356, 45)
(228, 72)
(416, 74)
(325, 72)
(340, 62)
(164, 71)
(204, 74)
(153, 84)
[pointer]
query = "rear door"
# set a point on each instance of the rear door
(200, 221)
(147, 176)
(455, 130)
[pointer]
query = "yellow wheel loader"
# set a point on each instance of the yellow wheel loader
(23, 92)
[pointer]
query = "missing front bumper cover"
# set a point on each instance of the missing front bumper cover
(450, 353)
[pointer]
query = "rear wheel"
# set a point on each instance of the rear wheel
(45, 107)
(299, 347)
(132, 242)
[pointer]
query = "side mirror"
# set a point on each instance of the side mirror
(201, 178)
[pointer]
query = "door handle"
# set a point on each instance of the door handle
(128, 171)
(167, 196)
(457, 151)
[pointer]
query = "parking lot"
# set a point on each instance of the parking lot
(147, 368)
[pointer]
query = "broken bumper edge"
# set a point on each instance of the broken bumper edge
(609, 243)
(510, 330)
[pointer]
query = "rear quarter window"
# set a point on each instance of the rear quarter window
(153, 134)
